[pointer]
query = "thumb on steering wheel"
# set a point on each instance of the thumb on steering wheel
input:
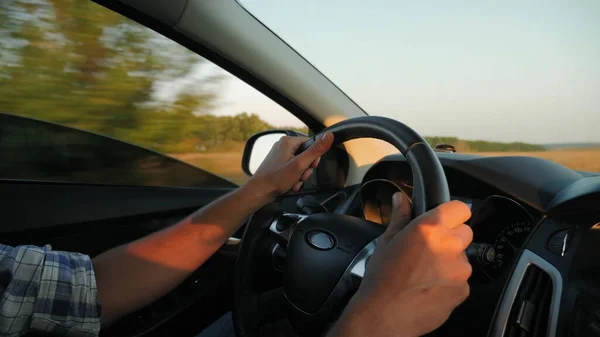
(318, 148)
(401, 216)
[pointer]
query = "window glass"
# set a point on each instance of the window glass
(505, 77)
(34, 150)
(76, 64)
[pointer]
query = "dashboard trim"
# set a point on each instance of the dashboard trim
(527, 259)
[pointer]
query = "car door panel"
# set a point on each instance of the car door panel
(38, 205)
(82, 192)
(92, 219)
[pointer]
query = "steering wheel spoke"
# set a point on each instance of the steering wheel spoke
(359, 264)
(272, 305)
(283, 226)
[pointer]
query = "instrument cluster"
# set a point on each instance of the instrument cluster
(497, 221)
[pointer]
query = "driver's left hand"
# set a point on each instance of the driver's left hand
(282, 171)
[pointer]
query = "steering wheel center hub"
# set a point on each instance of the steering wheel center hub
(320, 240)
(319, 254)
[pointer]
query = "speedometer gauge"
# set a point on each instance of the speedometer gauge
(508, 242)
(506, 225)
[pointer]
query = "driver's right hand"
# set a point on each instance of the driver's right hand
(416, 277)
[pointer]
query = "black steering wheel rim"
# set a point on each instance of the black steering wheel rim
(430, 189)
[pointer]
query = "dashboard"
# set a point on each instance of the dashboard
(542, 221)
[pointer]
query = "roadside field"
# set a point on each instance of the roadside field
(577, 159)
(228, 164)
(225, 164)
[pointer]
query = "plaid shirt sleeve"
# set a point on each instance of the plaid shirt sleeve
(47, 291)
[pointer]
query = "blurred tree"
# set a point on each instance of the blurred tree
(77, 64)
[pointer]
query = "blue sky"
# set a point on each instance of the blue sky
(495, 70)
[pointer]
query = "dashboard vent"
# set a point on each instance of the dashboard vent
(529, 314)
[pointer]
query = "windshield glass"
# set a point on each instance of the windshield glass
(496, 78)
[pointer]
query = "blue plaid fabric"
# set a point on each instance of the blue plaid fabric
(48, 292)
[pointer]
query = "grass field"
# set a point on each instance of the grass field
(228, 164)
(577, 159)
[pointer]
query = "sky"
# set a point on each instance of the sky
(494, 70)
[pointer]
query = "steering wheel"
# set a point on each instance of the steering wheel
(325, 253)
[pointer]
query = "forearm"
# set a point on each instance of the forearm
(361, 317)
(135, 274)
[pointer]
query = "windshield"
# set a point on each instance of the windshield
(495, 78)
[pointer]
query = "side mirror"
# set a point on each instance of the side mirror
(259, 145)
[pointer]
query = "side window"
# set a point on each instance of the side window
(89, 96)
(33, 150)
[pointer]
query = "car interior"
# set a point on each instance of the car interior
(536, 223)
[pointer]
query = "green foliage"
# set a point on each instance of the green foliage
(77, 64)
(484, 145)
(74, 63)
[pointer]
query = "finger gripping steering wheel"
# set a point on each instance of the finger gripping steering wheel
(325, 253)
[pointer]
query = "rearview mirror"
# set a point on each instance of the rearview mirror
(258, 147)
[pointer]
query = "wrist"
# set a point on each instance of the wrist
(362, 317)
(350, 324)
(257, 192)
